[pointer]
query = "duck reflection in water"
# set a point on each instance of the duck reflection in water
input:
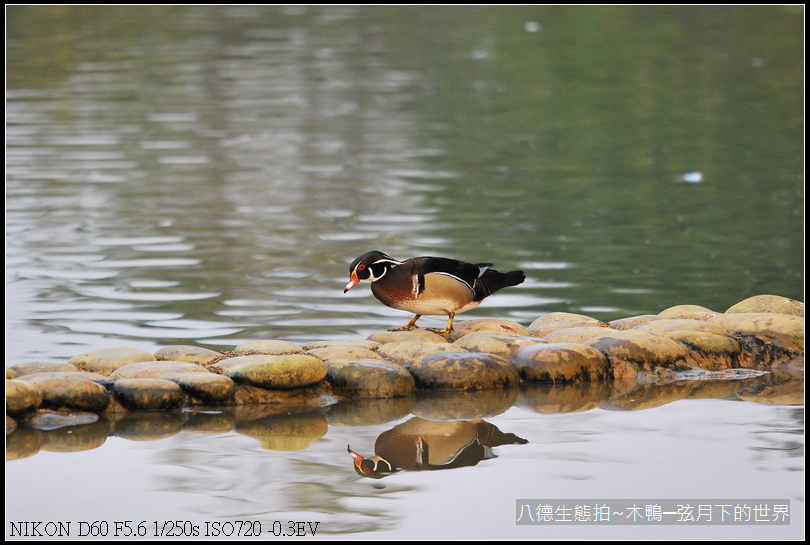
(419, 444)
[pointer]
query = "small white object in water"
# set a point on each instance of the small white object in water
(692, 177)
(531, 26)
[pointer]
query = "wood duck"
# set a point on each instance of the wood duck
(429, 285)
(420, 444)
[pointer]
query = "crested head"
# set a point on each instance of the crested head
(368, 258)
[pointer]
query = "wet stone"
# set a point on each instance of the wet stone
(495, 343)
(765, 338)
(70, 390)
(580, 334)
(204, 386)
(560, 362)
(371, 380)
(147, 393)
(635, 354)
(695, 312)
(633, 321)
(498, 325)
(21, 397)
(274, 371)
(768, 303)
(462, 371)
(354, 343)
(403, 352)
(156, 369)
(190, 354)
(107, 360)
(414, 335)
(29, 368)
(11, 374)
(555, 321)
(343, 352)
(268, 347)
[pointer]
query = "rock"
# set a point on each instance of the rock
(354, 343)
(462, 371)
(155, 369)
(70, 390)
(268, 347)
(204, 387)
(695, 312)
(555, 321)
(768, 303)
(639, 355)
(580, 334)
(190, 354)
(765, 338)
(633, 321)
(274, 371)
(498, 344)
(43, 367)
(51, 420)
(498, 325)
(147, 393)
(376, 379)
(107, 360)
(403, 352)
(414, 335)
(21, 397)
(715, 349)
(560, 362)
(344, 352)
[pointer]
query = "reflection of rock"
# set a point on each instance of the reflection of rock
(467, 405)
(148, 425)
(287, 432)
(419, 445)
(568, 397)
(366, 412)
(24, 442)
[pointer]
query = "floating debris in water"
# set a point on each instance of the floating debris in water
(692, 177)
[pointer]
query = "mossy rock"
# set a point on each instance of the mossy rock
(72, 390)
(274, 371)
(147, 393)
(372, 380)
(404, 352)
(555, 321)
(156, 369)
(497, 325)
(269, 347)
(21, 397)
(768, 303)
(498, 344)
(190, 354)
(560, 362)
(695, 312)
(462, 371)
(107, 360)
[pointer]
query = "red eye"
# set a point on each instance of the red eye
(361, 267)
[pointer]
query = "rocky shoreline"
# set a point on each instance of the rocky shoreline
(480, 361)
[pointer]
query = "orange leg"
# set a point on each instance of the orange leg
(447, 329)
(411, 325)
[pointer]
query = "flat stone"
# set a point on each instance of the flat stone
(493, 342)
(107, 360)
(768, 303)
(356, 343)
(640, 355)
(268, 347)
(274, 371)
(190, 354)
(368, 380)
(156, 369)
(29, 368)
(50, 420)
(555, 321)
(462, 371)
(204, 386)
(695, 312)
(499, 325)
(344, 352)
(560, 362)
(414, 335)
(580, 334)
(21, 397)
(147, 393)
(633, 321)
(69, 390)
(403, 352)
